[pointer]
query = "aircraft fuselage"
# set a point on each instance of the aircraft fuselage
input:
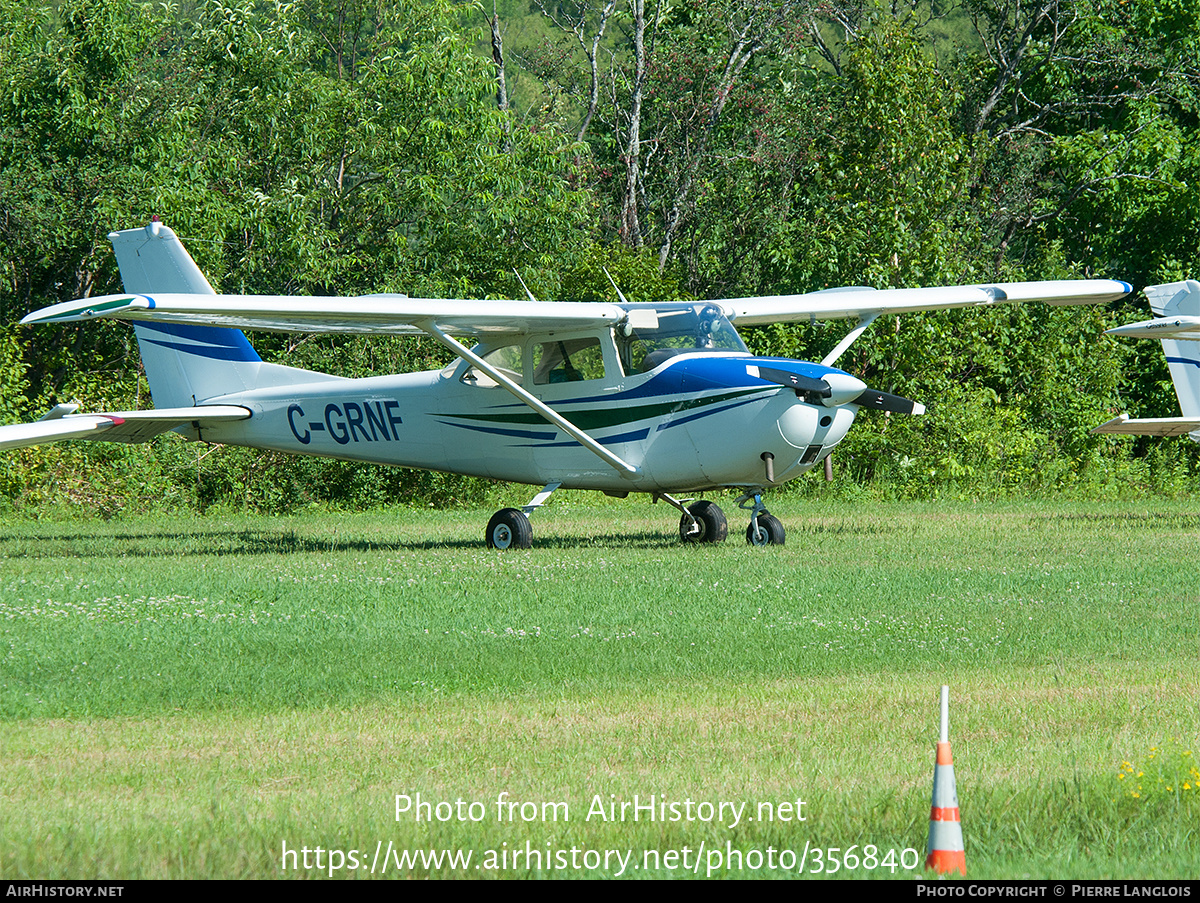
(698, 420)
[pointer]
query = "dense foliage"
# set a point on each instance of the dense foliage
(717, 148)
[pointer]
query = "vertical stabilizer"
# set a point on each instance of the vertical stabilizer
(1180, 299)
(185, 365)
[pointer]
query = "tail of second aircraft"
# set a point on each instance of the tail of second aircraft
(1181, 299)
(188, 364)
(1177, 314)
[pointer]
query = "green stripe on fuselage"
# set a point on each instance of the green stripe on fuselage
(594, 418)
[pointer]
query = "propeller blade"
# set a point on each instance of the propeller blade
(807, 385)
(837, 389)
(883, 401)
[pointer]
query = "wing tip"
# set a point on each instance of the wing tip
(1110, 426)
(86, 309)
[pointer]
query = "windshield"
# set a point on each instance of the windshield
(681, 328)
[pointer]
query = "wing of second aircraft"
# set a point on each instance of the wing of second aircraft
(117, 426)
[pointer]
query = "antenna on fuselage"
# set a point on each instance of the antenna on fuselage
(524, 286)
(620, 295)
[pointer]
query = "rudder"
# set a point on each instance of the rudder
(185, 364)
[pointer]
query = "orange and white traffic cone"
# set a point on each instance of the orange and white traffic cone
(945, 851)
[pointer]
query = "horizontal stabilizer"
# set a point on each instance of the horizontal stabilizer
(1155, 426)
(1162, 328)
(119, 426)
(75, 426)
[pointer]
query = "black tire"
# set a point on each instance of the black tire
(713, 526)
(770, 531)
(509, 529)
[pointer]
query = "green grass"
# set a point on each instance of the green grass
(179, 698)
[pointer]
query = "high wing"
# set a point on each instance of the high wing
(867, 303)
(396, 314)
(118, 426)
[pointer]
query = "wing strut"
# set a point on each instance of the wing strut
(866, 320)
(623, 467)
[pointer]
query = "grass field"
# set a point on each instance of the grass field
(196, 697)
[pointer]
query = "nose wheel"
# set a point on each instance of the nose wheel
(765, 528)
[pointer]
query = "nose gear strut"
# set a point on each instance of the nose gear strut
(765, 528)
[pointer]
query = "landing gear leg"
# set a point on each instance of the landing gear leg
(509, 528)
(765, 528)
(540, 499)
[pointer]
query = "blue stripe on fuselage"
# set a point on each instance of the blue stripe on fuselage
(500, 431)
(710, 370)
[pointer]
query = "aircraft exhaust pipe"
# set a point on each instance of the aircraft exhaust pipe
(769, 460)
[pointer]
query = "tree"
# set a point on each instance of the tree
(75, 124)
(1083, 103)
(659, 85)
(363, 156)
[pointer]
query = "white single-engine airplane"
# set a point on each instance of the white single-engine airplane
(1177, 323)
(621, 397)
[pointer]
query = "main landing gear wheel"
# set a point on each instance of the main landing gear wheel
(769, 531)
(509, 529)
(711, 521)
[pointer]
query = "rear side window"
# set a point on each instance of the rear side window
(567, 361)
(506, 359)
